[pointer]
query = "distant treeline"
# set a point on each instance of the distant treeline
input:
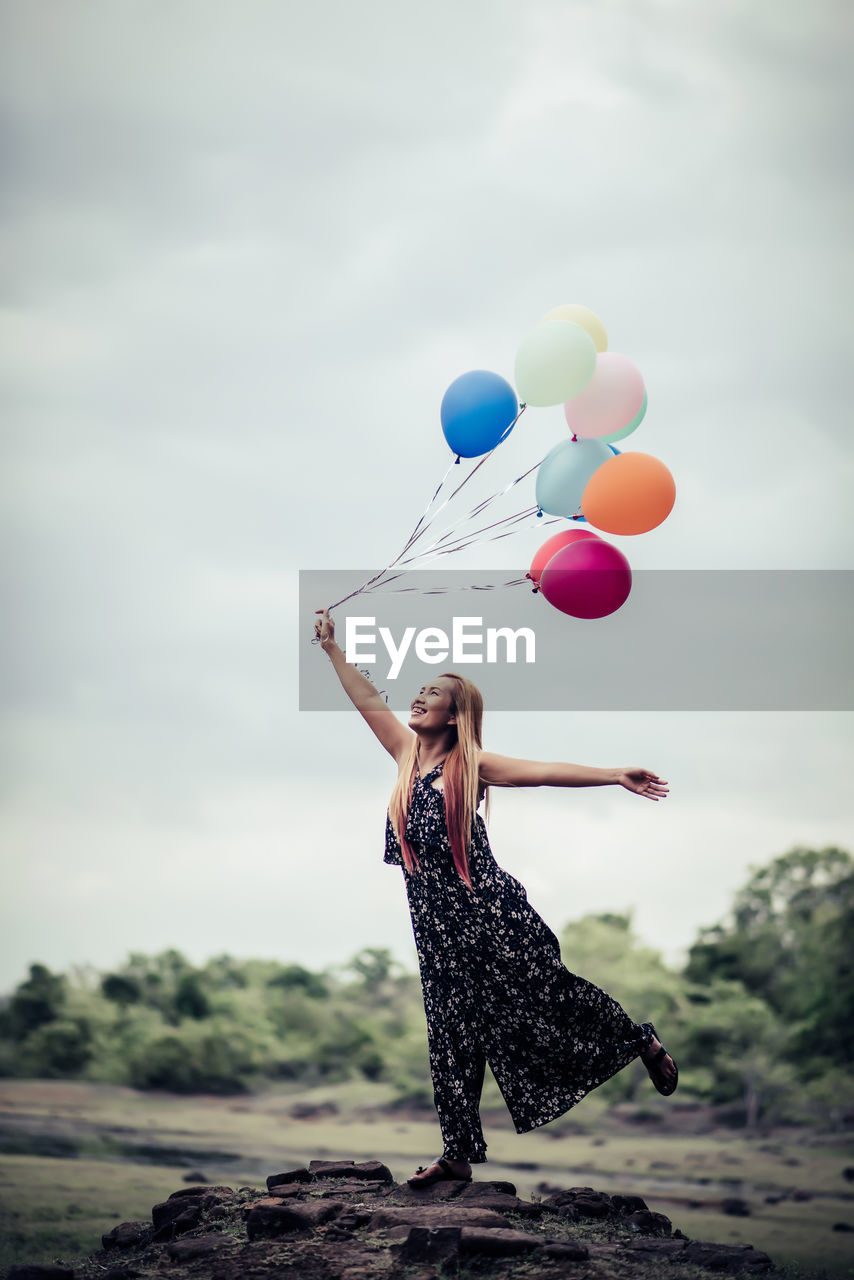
(761, 1019)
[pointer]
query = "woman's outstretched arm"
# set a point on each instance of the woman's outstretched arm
(504, 771)
(394, 736)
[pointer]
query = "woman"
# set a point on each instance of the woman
(495, 988)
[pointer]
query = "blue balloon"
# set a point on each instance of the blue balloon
(478, 410)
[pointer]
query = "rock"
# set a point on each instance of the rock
(735, 1207)
(500, 1203)
(564, 1251)
(583, 1201)
(725, 1257)
(165, 1211)
(287, 1190)
(265, 1202)
(598, 1206)
(355, 1187)
(39, 1271)
(198, 1247)
(190, 1203)
(270, 1220)
(174, 1216)
(660, 1248)
(628, 1204)
(439, 1191)
(647, 1223)
(208, 1193)
(338, 1233)
(503, 1188)
(426, 1244)
(127, 1235)
(312, 1110)
(353, 1219)
(195, 1176)
(800, 1194)
(842, 1226)
(290, 1175)
(436, 1215)
(453, 1189)
(497, 1242)
(369, 1170)
(848, 1173)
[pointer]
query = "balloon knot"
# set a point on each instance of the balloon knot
(535, 591)
(539, 515)
(574, 438)
(457, 460)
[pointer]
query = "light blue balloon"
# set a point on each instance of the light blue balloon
(477, 411)
(563, 474)
(629, 428)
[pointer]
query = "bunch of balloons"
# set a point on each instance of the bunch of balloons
(585, 478)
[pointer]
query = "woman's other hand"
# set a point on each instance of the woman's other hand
(644, 783)
(324, 628)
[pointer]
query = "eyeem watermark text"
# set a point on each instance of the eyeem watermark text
(467, 642)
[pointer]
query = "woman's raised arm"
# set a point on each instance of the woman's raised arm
(394, 736)
(504, 771)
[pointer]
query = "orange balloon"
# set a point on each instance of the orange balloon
(630, 493)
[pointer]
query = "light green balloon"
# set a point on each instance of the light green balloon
(554, 363)
(627, 430)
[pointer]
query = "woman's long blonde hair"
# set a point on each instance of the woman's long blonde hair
(463, 790)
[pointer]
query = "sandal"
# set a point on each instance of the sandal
(447, 1175)
(656, 1075)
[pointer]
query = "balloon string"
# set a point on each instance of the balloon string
(411, 537)
(464, 482)
(441, 591)
(415, 535)
(438, 548)
(465, 540)
(482, 506)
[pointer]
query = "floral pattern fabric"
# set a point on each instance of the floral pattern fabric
(496, 990)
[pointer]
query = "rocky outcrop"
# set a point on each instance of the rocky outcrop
(343, 1220)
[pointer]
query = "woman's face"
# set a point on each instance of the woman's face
(433, 706)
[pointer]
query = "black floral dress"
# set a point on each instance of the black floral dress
(496, 990)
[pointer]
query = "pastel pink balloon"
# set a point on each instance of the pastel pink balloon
(552, 545)
(611, 399)
(588, 579)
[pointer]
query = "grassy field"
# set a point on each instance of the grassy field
(77, 1158)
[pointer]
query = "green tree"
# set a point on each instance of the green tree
(788, 941)
(57, 1049)
(36, 1002)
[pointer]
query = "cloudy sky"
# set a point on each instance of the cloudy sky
(246, 248)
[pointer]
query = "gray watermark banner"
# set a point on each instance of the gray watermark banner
(685, 640)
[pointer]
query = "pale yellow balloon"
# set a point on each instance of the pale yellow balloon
(576, 314)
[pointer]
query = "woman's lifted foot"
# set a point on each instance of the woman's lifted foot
(443, 1170)
(663, 1071)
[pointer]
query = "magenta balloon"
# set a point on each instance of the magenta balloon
(588, 579)
(611, 399)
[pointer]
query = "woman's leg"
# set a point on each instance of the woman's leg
(457, 1065)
